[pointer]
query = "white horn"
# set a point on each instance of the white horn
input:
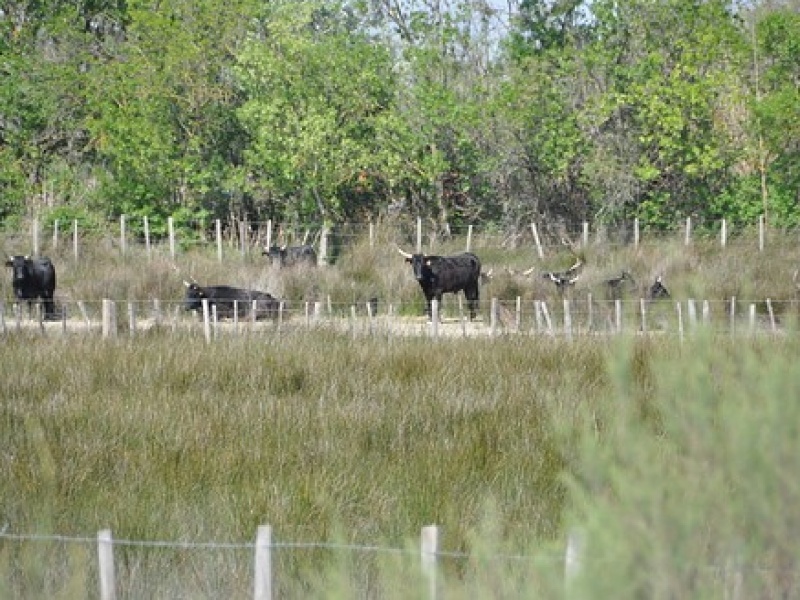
(405, 254)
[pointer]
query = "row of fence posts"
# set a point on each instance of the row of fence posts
(322, 254)
(732, 573)
(263, 569)
(324, 235)
(500, 318)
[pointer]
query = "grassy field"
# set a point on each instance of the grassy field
(676, 461)
(674, 458)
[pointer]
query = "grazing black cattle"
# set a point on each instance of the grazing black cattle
(658, 290)
(289, 256)
(439, 275)
(34, 278)
(225, 298)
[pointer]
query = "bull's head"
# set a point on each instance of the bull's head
(418, 262)
(19, 266)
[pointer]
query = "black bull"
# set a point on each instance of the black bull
(439, 275)
(34, 278)
(231, 300)
(289, 256)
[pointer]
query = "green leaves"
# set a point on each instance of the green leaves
(316, 98)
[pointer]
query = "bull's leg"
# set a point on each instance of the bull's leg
(428, 308)
(49, 308)
(472, 301)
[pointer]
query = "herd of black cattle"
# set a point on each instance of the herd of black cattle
(34, 280)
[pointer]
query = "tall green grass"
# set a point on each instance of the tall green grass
(673, 458)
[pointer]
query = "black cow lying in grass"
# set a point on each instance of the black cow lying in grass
(562, 279)
(231, 300)
(616, 285)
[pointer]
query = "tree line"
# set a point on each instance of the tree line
(489, 112)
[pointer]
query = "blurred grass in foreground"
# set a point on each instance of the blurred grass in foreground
(675, 461)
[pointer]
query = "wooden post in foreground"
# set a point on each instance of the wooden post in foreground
(429, 548)
(263, 564)
(105, 555)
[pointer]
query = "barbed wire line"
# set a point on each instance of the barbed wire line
(186, 545)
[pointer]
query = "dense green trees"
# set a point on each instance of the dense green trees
(460, 111)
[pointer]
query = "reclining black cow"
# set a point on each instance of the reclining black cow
(290, 256)
(439, 275)
(231, 300)
(32, 279)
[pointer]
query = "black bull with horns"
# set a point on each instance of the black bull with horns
(439, 275)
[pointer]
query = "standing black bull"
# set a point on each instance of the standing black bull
(289, 256)
(34, 278)
(439, 275)
(225, 298)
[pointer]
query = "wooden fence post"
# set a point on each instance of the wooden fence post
(585, 234)
(268, 241)
(109, 318)
(419, 235)
(218, 234)
(537, 241)
(723, 234)
(688, 239)
(35, 235)
(761, 232)
(105, 556)
(122, 237)
(263, 564)
(322, 259)
(132, 319)
(206, 320)
(435, 318)
(55, 234)
(546, 316)
(171, 233)
(429, 549)
(573, 559)
(469, 238)
(146, 224)
(773, 324)
(636, 232)
(567, 320)
(75, 238)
